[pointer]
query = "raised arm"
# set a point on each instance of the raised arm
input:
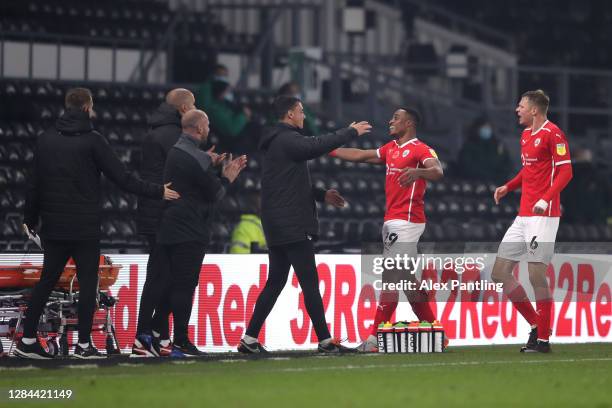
(301, 148)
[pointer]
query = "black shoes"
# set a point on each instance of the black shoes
(540, 347)
(89, 352)
(252, 348)
(188, 349)
(334, 347)
(533, 339)
(32, 351)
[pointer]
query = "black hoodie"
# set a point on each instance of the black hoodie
(288, 211)
(164, 131)
(64, 182)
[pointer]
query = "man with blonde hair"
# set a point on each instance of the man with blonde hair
(547, 169)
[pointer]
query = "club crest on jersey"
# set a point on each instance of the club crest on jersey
(537, 142)
(406, 153)
(395, 154)
(561, 149)
(433, 153)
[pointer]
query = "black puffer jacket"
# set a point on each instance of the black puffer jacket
(164, 131)
(64, 183)
(288, 211)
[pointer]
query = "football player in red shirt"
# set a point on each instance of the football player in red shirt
(547, 169)
(410, 164)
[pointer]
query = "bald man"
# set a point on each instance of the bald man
(183, 230)
(164, 131)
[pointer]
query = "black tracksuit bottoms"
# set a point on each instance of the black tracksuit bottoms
(154, 307)
(184, 262)
(86, 255)
(281, 258)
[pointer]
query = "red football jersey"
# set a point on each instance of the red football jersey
(405, 203)
(542, 152)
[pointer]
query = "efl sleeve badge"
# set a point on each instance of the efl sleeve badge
(561, 149)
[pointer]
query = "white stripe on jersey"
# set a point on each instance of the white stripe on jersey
(411, 195)
(552, 175)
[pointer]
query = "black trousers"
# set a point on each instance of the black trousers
(86, 255)
(281, 258)
(154, 307)
(184, 262)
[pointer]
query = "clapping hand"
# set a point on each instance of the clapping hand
(217, 159)
(233, 167)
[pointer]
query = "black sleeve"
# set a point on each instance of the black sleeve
(110, 165)
(32, 202)
(319, 194)
(301, 148)
(213, 186)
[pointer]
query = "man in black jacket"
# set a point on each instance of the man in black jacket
(183, 231)
(289, 216)
(64, 191)
(164, 132)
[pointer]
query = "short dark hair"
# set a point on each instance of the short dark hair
(283, 104)
(285, 89)
(538, 98)
(78, 98)
(414, 115)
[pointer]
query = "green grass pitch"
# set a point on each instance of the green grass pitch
(492, 376)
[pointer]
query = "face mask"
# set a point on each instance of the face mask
(221, 78)
(229, 97)
(485, 132)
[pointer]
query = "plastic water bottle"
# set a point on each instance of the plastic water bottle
(413, 337)
(425, 337)
(438, 337)
(401, 337)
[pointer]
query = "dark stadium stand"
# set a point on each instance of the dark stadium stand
(117, 19)
(555, 32)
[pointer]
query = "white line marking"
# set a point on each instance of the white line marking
(442, 364)
(84, 366)
(183, 362)
(26, 368)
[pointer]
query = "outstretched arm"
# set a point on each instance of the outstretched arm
(357, 155)
(301, 148)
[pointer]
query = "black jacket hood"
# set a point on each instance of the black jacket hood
(270, 132)
(165, 115)
(74, 122)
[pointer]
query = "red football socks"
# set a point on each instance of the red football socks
(521, 302)
(386, 307)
